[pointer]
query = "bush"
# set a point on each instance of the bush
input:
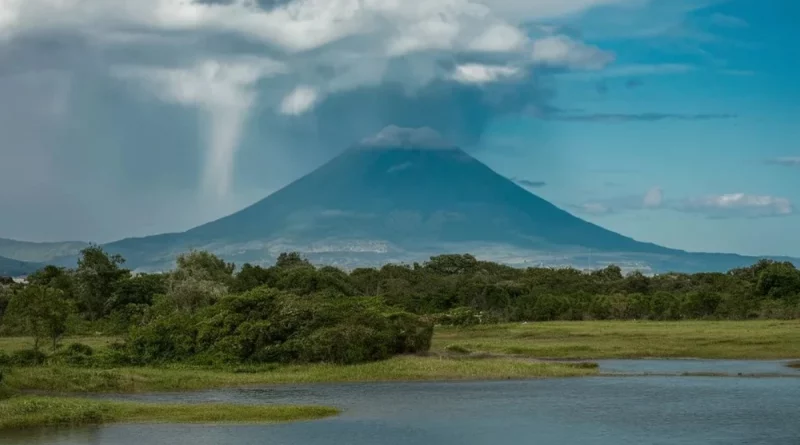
(411, 333)
(76, 354)
(342, 344)
(5, 359)
(266, 325)
(28, 357)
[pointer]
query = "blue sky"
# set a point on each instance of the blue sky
(672, 121)
(743, 66)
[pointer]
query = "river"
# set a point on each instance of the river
(606, 410)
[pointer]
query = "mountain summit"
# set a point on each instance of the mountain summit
(402, 195)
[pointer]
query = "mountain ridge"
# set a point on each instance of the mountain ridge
(402, 196)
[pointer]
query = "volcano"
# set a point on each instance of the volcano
(402, 196)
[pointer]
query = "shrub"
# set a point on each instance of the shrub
(266, 325)
(342, 344)
(28, 357)
(411, 333)
(76, 354)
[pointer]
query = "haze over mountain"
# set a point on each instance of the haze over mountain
(14, 268)
(401, 196)
(39, 252)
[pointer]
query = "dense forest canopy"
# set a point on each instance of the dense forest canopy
(210, 311)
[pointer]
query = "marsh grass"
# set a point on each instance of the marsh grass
(184, 378)
(758, 339)
(487, 352)
(26, 412)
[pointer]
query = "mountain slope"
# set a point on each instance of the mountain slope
(411, 196)
(15, 268)
(397, 198)
(38, 252)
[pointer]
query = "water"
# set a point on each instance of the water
(662, 410)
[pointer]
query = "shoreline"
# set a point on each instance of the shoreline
(21, 412)
(181, 378)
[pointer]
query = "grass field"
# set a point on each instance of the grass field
(767, 339)
(509, 347)
(11, 344)
(182, 378)
(26, 412)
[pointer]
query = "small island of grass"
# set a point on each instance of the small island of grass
(795, 364)
(27, 412)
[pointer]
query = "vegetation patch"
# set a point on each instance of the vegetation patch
(755, 339)
(794, 364)
(187, 378)
(27, 412)
(457, 349)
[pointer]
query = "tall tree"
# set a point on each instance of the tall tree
(41, 312)
(200, 279)
(97, 278)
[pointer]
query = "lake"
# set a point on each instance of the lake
(606, 410)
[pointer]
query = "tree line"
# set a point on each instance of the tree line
(208, 310)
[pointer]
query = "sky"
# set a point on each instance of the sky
(671, 121)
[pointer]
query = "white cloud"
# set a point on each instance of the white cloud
(349, 61)
(224, 90)
(788, 161)
(398, 137)
(561, 51)
(381, 31)
(729, 205)
(9, 14)
(299, 101)
(653, 198)
(477, 73)
(738, 205)
(499, 38)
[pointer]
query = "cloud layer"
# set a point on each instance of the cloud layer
(128, 108)
(722, 206)
(787, 161)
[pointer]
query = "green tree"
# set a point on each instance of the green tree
(97, 278)
(779, 280)
(291, 259)
(41, 312)
(56, 277)
(139, 289)
(452, 264)
(251, 277)
(200, 279)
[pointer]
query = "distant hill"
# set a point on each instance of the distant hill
(39, 252)
(402, 196)
(15, 268)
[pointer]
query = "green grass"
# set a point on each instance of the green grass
(481, 352)
(760, 339)
(11, 344)
(26, 412)
(185, 378)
